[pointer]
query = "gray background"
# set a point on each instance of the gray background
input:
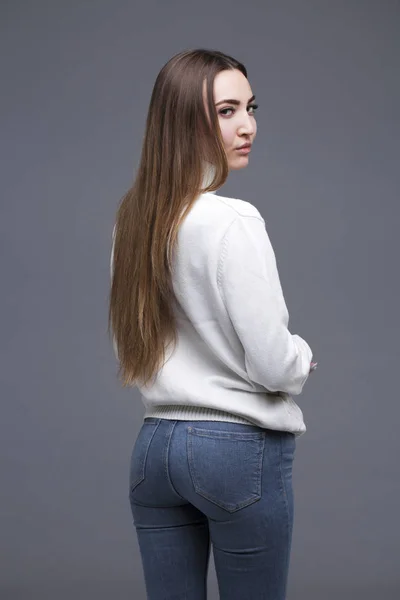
(324, 172)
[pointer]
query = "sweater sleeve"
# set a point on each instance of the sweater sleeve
(249, 284)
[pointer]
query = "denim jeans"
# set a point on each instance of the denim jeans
(197, 483)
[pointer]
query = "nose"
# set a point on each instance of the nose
(247, 126)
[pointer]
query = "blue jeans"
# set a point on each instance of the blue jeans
(197, 483)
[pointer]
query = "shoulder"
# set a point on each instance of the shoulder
(236, 207)
(220, 216)
(242, 225)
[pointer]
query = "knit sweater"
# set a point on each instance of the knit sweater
(235, 358)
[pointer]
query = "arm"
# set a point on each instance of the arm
(250, 287)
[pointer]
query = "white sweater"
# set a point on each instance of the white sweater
(235, 358)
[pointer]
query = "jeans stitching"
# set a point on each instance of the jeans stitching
(133, 485)
(199, 490)
(285, 498)
(166, 469)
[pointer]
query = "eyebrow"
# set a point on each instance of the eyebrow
(233, 101)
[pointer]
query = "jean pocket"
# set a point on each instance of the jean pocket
(226, 467)
(140, 450)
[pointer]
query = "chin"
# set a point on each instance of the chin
(238, 163)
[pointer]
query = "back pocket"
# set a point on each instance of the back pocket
(226, 467)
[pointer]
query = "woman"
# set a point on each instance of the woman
(194, 272)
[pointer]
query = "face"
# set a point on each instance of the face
(236, 119)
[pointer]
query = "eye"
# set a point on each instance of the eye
(223, 111)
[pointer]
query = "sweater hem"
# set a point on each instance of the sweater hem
(193, 413)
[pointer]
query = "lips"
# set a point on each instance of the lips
(244, 146)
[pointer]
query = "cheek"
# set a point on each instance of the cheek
(228, 133)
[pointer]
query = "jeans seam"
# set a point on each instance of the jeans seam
(284, 495)
(167, 460)
(133, 485)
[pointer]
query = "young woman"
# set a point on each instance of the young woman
(200, 326)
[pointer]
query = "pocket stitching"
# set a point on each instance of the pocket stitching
(259, 436)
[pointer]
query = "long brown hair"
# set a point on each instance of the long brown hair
(182, 135)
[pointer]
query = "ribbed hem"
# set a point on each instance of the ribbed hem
(193, 413)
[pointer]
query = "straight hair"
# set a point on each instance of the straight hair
(182, 139)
